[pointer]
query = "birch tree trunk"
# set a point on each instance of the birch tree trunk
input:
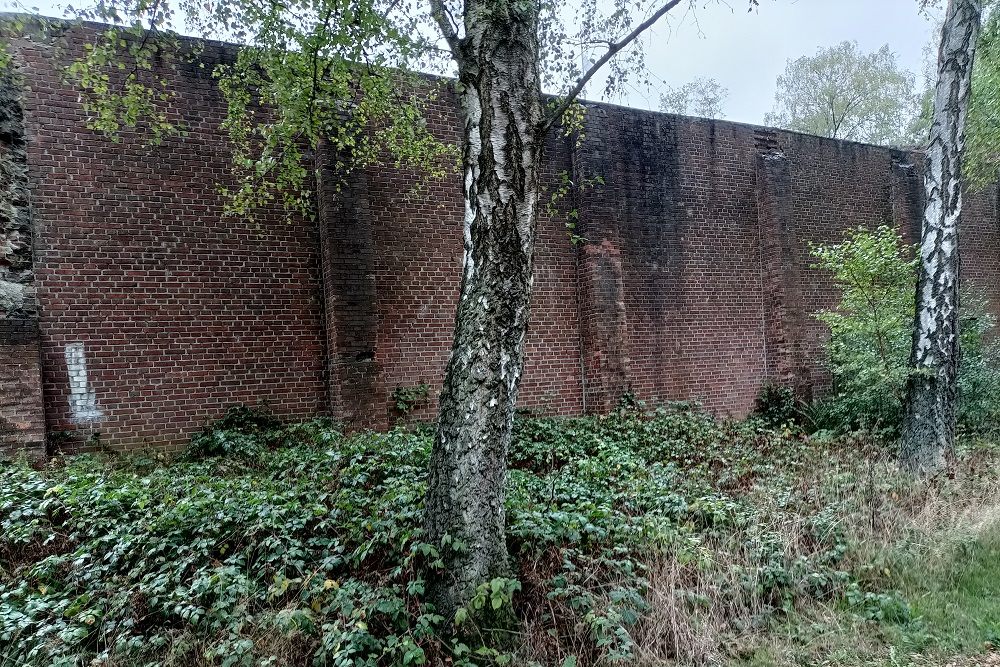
(928, 439)
(501, 106)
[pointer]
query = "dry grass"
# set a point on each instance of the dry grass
(705, 613)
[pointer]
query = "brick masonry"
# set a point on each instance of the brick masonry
(155, 311)
(22, 423)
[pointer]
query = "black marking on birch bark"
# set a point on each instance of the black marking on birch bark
(928, 438)
(501, 101)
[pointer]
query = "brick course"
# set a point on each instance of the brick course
(156, 312)
(177, 311)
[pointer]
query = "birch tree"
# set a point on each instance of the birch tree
(499, 47)
(928, 439)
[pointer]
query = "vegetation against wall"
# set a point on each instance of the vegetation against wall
(872, 332)
(311, 72)
(637, 538)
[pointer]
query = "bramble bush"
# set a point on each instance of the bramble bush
(271, 544)
(871, 333)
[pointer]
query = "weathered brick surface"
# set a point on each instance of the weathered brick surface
(418, 249)
(979, 239)
(694, 281)
(22, 420)
(171, 310)
(347, 245)
(782, 261)
(22, 423)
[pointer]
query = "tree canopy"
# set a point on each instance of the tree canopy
(323, 71)
(326, 69)
(982, 159)
(843, 93)
(701, 96)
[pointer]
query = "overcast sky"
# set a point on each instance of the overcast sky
(745, 52)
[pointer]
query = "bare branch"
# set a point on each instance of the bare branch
(613, 49)
(443, 18)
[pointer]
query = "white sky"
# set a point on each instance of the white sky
(745, 52)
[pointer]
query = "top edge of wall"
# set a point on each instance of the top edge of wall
(43, 23)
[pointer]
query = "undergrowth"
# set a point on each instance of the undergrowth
(637, 538)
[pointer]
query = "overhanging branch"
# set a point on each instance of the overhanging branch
(613, 50)
(448, 30)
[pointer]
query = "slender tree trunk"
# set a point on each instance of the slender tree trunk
(928, 440)
(501, 105)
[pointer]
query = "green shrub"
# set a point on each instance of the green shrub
(777, 406)
(871, 333)
(871, 329)
(247, 432)
(979, 377)
(244, 431)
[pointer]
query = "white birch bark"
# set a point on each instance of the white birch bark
(928, 438)
(500, 92)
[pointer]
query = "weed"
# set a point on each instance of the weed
(637, 538)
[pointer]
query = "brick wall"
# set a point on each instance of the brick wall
(418, 261)
(155, 311)
(22, 422)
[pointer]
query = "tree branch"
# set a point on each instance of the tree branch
(443, 18)
(315, 67)
(613, 49)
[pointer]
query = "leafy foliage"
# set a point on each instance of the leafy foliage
(871, 329)
(843, 93)
(314, 554)
(981, 157)
(304, 73)
(700, 97)
(776, 406)
(408, 398)
(249, 432)
(979, 371)
(871, 333)
(119, 77)
(309, 72)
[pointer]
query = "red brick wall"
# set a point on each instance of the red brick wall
(418, 246)
(979, 240)
(694, 281)
(180, 311)
(22, 419)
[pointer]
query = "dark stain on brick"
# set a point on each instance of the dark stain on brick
(183, 311)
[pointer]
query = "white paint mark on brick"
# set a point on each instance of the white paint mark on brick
(82, 398)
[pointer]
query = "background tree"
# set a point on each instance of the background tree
(920, 126)
(928, 439)
(843, 93)
(699, 97)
